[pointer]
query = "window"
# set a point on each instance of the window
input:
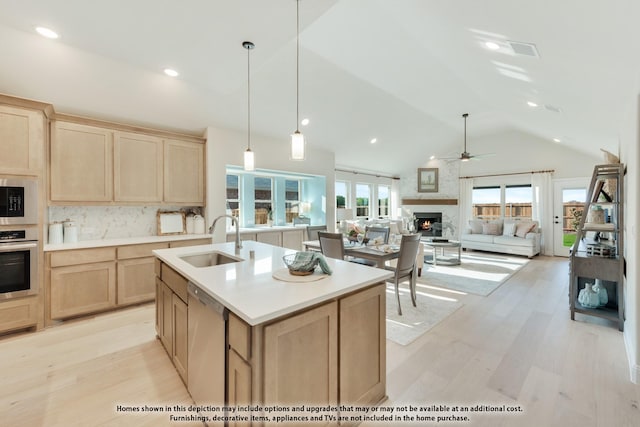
(485, 202)
(263, 201)
(518, 200)
(342, 194)
(383, 201)
(233, 195)
(292, 199)
(510, 201)
(363, 198)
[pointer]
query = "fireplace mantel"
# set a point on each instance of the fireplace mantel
(429, 201)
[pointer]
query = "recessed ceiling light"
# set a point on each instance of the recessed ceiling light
(46, 32)
(532, 104)
(171, 72)
(374, 140)
(557, 140)
(432, 157)
(492, 45)
(304, 122)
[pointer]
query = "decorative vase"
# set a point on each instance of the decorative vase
(599, 288)
(588, 297)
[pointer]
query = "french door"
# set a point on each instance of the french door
(569, 196)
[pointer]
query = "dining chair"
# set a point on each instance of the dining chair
(301, 221)
(312, 231)
(406, 266)
(372, 233)
(331, 244)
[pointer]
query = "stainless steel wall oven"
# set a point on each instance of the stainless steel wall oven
(18, 263)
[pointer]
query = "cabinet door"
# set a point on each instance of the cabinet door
(271, 237)
(21, 139)
(301, 358)
(239, 384)
(159, 309)
(166, 336)
(180, 332)
(183, 172)
(137, 167)
(292, 239)
(136, 280)
(82, 289)
(81, 163)
(18, 313)
(363, 332)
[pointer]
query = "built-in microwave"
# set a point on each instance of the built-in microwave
(18, 201)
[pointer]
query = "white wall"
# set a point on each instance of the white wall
(227, 147)
(630, 155)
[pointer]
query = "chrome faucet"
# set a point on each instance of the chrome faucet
(234, 221)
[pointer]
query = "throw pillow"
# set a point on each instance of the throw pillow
(523, 228)
(490, 228)
(498, 222)
(509, 229)
(476, 226)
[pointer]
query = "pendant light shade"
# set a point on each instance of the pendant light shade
(297, 139)
(249, 159)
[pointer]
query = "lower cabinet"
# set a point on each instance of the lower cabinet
(330, 355)
(82, 289)
(172, 317)
(86, 281)
(18, 313)
(291, 238)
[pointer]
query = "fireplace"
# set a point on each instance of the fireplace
(428, 223)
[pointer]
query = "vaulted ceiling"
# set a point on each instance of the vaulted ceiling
(400, 71)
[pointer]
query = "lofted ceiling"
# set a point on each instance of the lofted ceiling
(400, 71)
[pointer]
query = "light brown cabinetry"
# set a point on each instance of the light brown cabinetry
(270, 238)
(137, 168)
(82, 282)
(332, 354)
(22, 136)
(108, 165)
(18, 313)
(292, 239)
(85, 281)
(136, 281)
(183, 172)
(81, 163)
(172, 317)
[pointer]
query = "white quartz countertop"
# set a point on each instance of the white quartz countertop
(248, 289)
(101, 243)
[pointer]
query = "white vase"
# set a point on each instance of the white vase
(588, 297)
(603, 296)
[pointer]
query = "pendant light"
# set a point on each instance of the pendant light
(249, 159)
(297, 139)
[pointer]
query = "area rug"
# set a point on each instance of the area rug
(479, 273)
(431, 309)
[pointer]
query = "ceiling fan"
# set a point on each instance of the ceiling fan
(465, 155)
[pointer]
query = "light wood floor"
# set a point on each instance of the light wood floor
(515, 347)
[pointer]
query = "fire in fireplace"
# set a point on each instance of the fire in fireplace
(428, 223)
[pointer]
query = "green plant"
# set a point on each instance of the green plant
(576, 216)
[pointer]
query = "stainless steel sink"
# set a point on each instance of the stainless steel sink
(209, 259)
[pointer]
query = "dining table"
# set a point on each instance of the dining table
(379, 254)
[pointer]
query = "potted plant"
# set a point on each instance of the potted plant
(270, 218)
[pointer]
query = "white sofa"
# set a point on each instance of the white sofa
(508, 236)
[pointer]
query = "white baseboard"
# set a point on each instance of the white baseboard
(634, 369)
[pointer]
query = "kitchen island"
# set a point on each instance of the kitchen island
(276, 343)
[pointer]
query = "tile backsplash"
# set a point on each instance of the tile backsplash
(109, 222)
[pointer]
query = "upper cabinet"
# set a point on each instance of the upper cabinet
(183, 172)
(137, 168)
(21, 138)
(81, 163)
(99, 165)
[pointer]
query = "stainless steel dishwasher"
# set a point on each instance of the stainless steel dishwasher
(207, 349)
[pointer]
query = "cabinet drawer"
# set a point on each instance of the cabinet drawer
(195, 242)
(239, 336)
(139, 251)
(82, 256)
(176, 282)
(18, 313)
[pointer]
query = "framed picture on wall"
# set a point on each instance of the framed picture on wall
(427, 180)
